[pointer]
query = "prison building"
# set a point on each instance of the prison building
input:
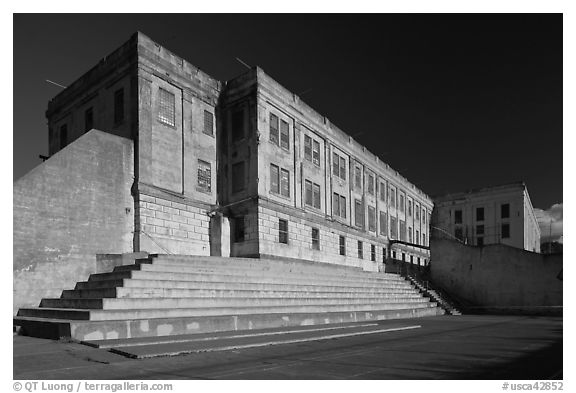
(492, 215)
(148, 153)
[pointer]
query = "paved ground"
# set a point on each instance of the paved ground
(466, 347)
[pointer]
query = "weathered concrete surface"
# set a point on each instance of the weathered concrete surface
(68, 209)
(498, 277)
(466, 347)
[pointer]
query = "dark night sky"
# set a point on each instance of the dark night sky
(451, 101)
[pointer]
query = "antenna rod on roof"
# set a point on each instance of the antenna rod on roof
(54, 83)
(244, 64)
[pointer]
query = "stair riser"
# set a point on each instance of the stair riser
(170, 293)
(86, 331)
(177, 284)
(154, 303)
(229, 278)
(102, 315)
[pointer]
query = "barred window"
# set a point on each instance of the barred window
(371, 219)
(342, 245)
(315, 238)
(372, 252)
(403, 230)
(360, 250)
(274, 179)
(208, 123)
(359, 213)
(339, 166)
(273, 128)
(118, 106)
(409, 208)
(284, 135)
(383, 222)
(167, 107)
(316, 153)
(204, 176)
(392, 194)
(371, 184)
(383, 192)
(238, 174)
(417, 212)
(358, 177)
(282, 231)
(307, 148)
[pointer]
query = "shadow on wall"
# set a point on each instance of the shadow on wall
(498, 278)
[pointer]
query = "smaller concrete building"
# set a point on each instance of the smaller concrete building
(492, 215)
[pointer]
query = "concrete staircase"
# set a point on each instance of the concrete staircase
(166, 295)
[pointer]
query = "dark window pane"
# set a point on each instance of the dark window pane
(316, 195)
(335, 204)
(458, 217)
(167, 107)
(308, 192)
(372, 252)
(274, 179)
(335, 168)
(285, 182)
(316, 153)
(360, 250)
(342, 168)
(284, 135)
(458, 234)
(273, 128)
(342, 245)
(382, 223)
(371, 219)
(283, 231)
(505, 211)
(479, 229)
(315, 238)
(479, 214)
(505, 231)
(208, 123)
(342, 207)
(358, 214)
(307, 148)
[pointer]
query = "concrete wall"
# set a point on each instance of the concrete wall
(497, 277)
(68, 209)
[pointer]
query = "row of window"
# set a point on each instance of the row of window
(504, 233)
(504, 213)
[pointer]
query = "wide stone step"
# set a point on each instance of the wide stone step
(127, 292)
(233, 278)
(272, 286)
(120, 329)
(127, 314)
(209, 302)
(260, 265)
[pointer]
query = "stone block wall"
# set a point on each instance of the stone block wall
(172, 224)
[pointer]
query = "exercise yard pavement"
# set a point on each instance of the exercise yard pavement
(447, 347)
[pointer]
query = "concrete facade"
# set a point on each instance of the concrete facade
(240, 168)
(493, 215)
(498, 278)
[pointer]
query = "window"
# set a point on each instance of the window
(423, 239)
(63, 135)
(417, 212)
(371, 184)
(373, 253)
(238, 177)
(239, 229)
(409, 234)
(458, 217)
(479, 229)
(274, 129)
(392, 194)
(238, 125)
(208, 123)
(371, 219)
(424, 216)
(409, 208)
(342, 245)
(417, 238)
(403, 257)
(204, 176)
(339, 205)
(119, 106)
(403, 230)
(315, 238)
(479, 214)
(312, 194)
(284, 135)
(360, 250)
(307, 148)
(274, 179)
(284, 183)
(316, 153)
(358, 177)
(279, 181)
(393, 228)
(505, 211)
(282, 231)
(505, 231)
(480, 241)
(411, 259)
(166, 109)
(458, 233)
(402, 206)
(358, 213)
(383, 254)
(88, 119)
(394, 254)
(383, 192)
(339, 166)
(383, 222)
